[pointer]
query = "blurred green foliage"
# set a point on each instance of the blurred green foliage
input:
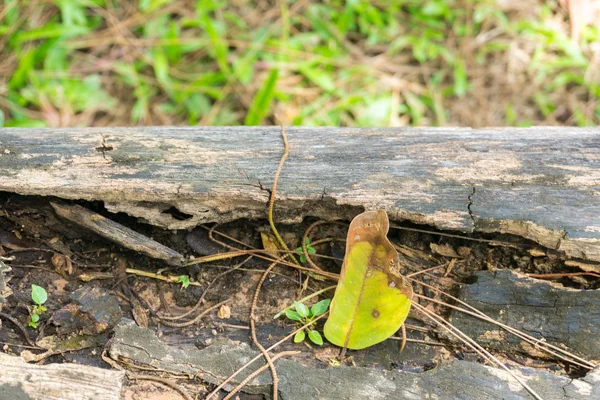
(333, 62)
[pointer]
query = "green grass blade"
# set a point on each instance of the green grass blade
(261, 103)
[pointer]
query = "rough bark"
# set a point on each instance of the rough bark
(562, 316)
(452, 380)
(4, 289)
(540, 183)
(117, 233)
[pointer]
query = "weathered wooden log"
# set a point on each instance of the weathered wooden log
(559, 315)
(4, 289)
(540, 183)
(20, 381)
(117, 233)
(452, 380)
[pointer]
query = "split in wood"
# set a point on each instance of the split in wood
(117, 233)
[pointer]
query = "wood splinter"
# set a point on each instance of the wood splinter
(117, 233)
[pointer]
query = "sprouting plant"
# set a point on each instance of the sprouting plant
(184, 280)
(334, 362)
(39, 297)
(304, 315)
(309, 249)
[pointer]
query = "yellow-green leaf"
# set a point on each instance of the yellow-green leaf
(315, 337)
(293, 315)
(372, 299)
(38, 294)
(299, 336)
(269, 243)
(301, 309)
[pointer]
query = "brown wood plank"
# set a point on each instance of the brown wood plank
(541, 183)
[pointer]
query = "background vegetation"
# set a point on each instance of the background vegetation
(332, 62)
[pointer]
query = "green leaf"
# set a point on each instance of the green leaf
(435, 8)
(38, 294)
(372, 300)
(293, 315)
(56, 59)
(72, 13)
(318, 76)
(460, 79)
(302, 257)
(184, 280)
(244, 66)
(51, 30)
(320, 307)
(261, 103)
(35, 317)
(33, 325)
(315, 337)
(161, 67)
(309, 248)
(218, 46)
(25, 123)
(26, 65)
(301, 309)
(148, 6)
(299, 336)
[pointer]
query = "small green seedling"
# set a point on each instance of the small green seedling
(39, 297)
(309, 250)
(304, 315)
(184, 280)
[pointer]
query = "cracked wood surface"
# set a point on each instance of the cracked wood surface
(22, 381)
(562, 316)
(4, 289)
(449, 380)
(540, 183)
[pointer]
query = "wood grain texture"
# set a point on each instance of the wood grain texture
(448, 380)
(540, 183)
(118, 233)
(20, 380)
(562, 316)
(4, 289)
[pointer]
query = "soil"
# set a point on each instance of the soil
(56, 255)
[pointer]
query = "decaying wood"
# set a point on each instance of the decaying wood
(93, 310)
(117, 233)
(540, 183)
(559, 315)
(448, 381)
(4, 289)
(22, 381)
